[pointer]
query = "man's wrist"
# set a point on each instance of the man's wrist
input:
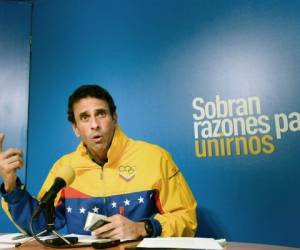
(141, 229)
(148, 228)
(9, 187)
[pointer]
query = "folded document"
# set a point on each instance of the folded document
(180, 242)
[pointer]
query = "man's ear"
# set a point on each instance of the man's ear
(75, 130)
(115, 118)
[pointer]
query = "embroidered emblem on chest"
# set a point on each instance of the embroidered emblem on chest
(127, 172)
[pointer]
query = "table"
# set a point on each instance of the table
(252, 246)
(229, 246)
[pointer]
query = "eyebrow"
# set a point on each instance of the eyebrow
(84, 113)
(101, 110)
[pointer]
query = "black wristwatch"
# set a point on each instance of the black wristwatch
(148, 228)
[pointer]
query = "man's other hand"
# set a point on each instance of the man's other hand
(10, 161)
(120, 228)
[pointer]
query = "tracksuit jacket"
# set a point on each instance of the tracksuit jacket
(139, 180)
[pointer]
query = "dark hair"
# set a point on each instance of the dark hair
(85, 91)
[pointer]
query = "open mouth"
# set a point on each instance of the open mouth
(97, 138)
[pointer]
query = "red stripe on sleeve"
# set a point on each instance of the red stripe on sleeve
(157, 201)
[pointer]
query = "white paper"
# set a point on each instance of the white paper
(8, 241)
(91, 219)
(9, 238)
(6, 246)
(181, 242)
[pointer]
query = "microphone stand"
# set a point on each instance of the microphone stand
(50, 218)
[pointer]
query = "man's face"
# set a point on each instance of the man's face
(94, 125)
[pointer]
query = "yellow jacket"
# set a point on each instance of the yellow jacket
(140, 181)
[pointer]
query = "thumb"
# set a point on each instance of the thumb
(1, 141)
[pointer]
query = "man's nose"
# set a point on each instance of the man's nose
(95, 124)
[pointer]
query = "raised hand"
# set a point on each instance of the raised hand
(10, 161)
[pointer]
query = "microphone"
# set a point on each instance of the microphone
(65, 176)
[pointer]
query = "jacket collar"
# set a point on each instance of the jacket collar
(116, 149)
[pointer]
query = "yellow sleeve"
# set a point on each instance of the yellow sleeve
(178, 205)
(6, 210)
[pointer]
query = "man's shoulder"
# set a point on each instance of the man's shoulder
(75, 155)
(150, 148)
(156, 156)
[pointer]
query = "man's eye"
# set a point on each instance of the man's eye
(101, 113)
(84, 118)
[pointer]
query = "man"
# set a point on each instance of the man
(136, 184)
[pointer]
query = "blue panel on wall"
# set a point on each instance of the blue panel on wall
(188, 75)
(14, 81)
